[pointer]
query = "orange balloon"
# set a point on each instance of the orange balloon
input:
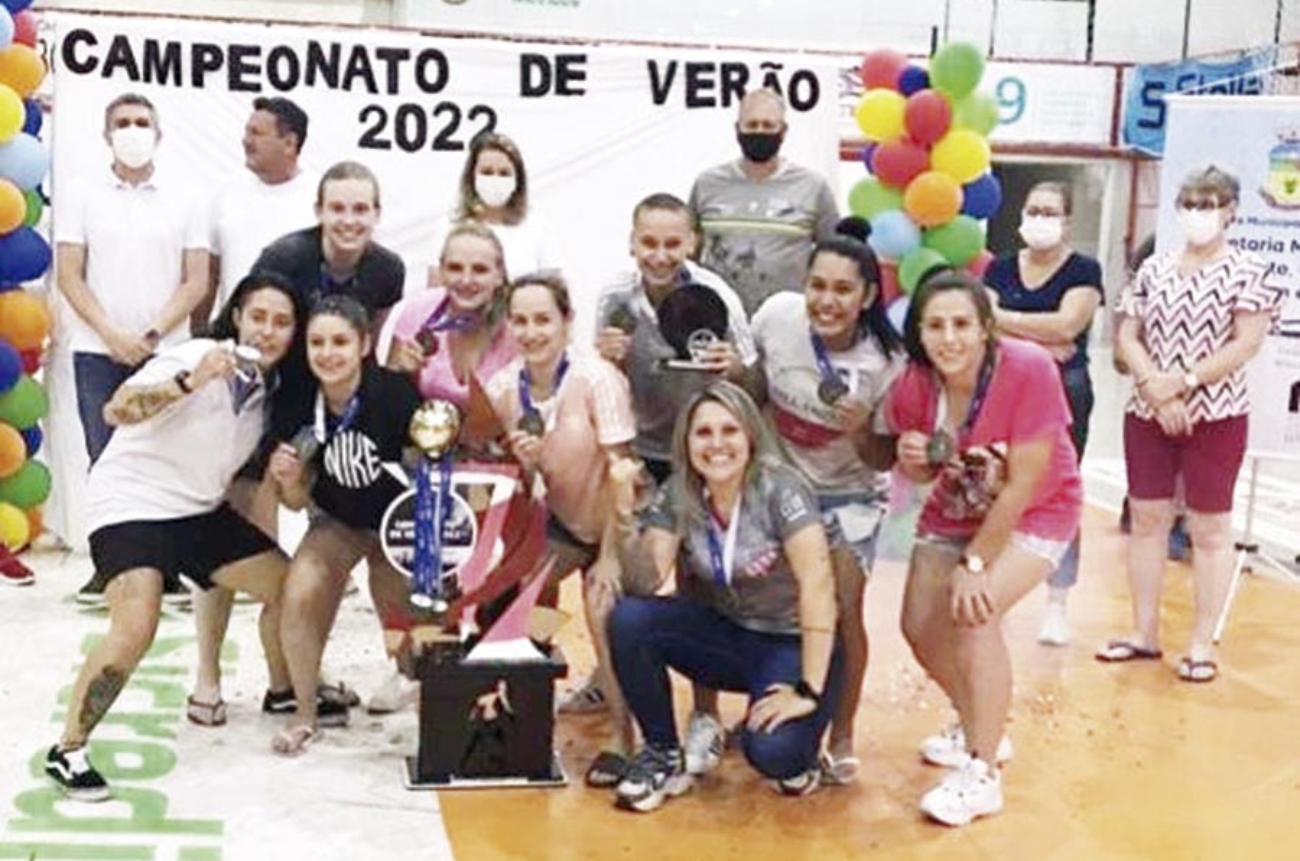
(22, 69)
(13, 207)
(933, 198)
(13, 451)
(24, 322)
(35, 523)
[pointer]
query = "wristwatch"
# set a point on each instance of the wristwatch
(182, 379)
(1190, 382)
(972, 563)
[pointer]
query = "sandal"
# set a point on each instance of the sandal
(205, 714)
(607, 769)
(293, 741)
(587, 699)
(1119, 651)
(1191, 670)
(839, 771)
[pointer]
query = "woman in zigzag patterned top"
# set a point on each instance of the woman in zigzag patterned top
(1190, 321)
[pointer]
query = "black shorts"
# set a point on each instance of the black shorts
(197, 546)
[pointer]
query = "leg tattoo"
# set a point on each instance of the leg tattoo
(100, 694)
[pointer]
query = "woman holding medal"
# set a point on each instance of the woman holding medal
(1001, 511)
(344, 466)
(569, 417)
(827, 359)
(755, 607)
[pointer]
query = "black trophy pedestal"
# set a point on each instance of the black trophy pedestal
(486, 724)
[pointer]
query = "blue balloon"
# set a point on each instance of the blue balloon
(6, 29)
(24, 256)
(11, 367)
(24, 161)
(897, 312)
(913, 79)
(893, 234)
(33, 437)
(32, 124)
(15, 5)
(981, 197)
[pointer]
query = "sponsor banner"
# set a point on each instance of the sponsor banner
(1263, 152)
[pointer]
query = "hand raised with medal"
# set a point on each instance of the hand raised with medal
(405, 357)
(285, 466)
(526, 448)
(217, 363)
(913, 451)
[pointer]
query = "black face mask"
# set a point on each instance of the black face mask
(759, 146)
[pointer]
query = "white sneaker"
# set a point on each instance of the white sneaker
(705, 742)
(395, 694)
(965, 794)
(1056, 627)
(948, 748)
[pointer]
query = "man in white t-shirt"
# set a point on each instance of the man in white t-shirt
(275, 197)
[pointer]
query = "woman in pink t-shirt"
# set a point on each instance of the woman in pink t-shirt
(567, 418)
(986, 421)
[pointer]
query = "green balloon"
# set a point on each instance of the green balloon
(28, 487)
(24, 405)
(916, 264)
(959, 240)
(869, 197)
(977, 112)
(956, 69)
(35, 206)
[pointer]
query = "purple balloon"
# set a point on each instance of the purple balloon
(913, 79)
(33, 437)
(24, 256)
(32, 124)
(982, 196)
(11, 367)
(867, 151)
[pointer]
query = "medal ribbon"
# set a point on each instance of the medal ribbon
(323, 431)
(976, 402)
(442, 320)
(525, 384)
(722, 551)
(824, 366)
(431, 509)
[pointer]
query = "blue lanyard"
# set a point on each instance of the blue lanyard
(326, 429)
(824, 366)
(525, 384)
(977, 399)
(442, 320)
(717, 544)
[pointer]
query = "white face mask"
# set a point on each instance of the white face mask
(1041, 231)
(133, 146)
(1200, 226)
(494, 190)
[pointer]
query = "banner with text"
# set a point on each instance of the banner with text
(1263, 152)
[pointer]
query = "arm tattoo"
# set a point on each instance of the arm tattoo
(100, 694)
(133, 404)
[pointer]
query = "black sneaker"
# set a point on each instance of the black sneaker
(92, 594)
(330, 710)
(74, 775)
(653, 777)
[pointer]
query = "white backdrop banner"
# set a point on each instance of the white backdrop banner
(600, 127)
(1263, 152)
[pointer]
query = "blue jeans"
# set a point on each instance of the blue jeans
(1078, 392)
(97, 376)
(649, 635)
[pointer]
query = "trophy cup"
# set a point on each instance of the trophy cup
(692, 319)
(434, 428)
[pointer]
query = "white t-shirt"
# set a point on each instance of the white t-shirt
(524, 245)
(180, 462)
(135, 238)
(249, 215)
(824, 455)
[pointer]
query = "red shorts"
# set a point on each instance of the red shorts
(1208, 460)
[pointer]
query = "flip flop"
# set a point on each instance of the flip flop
(1119, 651)
(839, 771)
(1198, 672)
(205, 714)
(293, 741)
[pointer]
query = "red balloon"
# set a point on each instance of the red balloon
(927, 116)
(25, 28)
(980, 264)
(31, 361)
(897, 162)
(889, 286)
(882, 68)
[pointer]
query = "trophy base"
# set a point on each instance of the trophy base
(411, 778)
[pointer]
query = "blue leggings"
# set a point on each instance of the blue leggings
(649, 635)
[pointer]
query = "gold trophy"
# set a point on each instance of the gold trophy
(434, 429)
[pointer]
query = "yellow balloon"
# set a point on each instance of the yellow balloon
(880, 114)
(12, 114)
(962, 154)
(14, 527)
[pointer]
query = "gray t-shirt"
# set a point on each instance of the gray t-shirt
(758, 233)
(762, 593)
(658, 392)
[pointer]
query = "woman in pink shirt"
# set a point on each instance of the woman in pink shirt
(567, 417)
(1002, 508)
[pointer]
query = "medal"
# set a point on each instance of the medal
(829, 391)
(622, 318)
(939, 449)
(531, 423)
(427, 339)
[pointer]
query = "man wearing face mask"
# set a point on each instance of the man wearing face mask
(132, 249)
(1048, 293)
(761, 214)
